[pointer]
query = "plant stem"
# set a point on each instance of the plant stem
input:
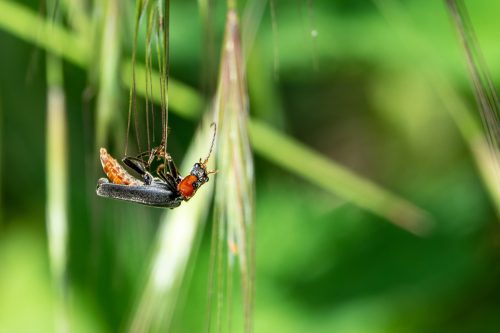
(57, 220)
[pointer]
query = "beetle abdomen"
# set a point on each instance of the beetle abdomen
(115, 172)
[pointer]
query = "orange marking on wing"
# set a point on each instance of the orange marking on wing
(115, 172)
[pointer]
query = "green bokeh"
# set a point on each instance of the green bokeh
(359, 94)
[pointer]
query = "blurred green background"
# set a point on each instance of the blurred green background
(362, 93)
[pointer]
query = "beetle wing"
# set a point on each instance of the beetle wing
(156, 195)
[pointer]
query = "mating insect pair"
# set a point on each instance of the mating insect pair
(168, 189)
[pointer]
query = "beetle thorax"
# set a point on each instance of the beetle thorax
(187, 186)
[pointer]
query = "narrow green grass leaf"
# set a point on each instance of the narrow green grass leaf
(28, 25)
(109, 74)
(301, 160)
(235, 209)
(56, 175)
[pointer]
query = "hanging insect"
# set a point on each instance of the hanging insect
(167, 190)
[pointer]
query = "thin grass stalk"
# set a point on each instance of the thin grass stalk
(132, 107)
(161, 79)
(184, 100)
(56, 175)
(453, 102)
(484, 90)
(1, 159)
(235, 182)
(474, 137)
(149, 104)
(177, 240)
(207, 16)
(163, 7)
(109, 91)
(149, 77)
(188, 103)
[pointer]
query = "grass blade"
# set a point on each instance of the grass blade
(337, 179)
(29, 26)
(57, 219)
(235, 208)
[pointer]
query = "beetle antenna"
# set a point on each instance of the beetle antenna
(213, 141)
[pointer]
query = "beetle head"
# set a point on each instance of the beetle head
(199, 170)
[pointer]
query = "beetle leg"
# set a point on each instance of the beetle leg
(150, 154)
(170, 181)
(143, 154)
(135, 164)
(156, 152)
(160, 170)
(172, 169)
(140, 167)
(167, 177)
